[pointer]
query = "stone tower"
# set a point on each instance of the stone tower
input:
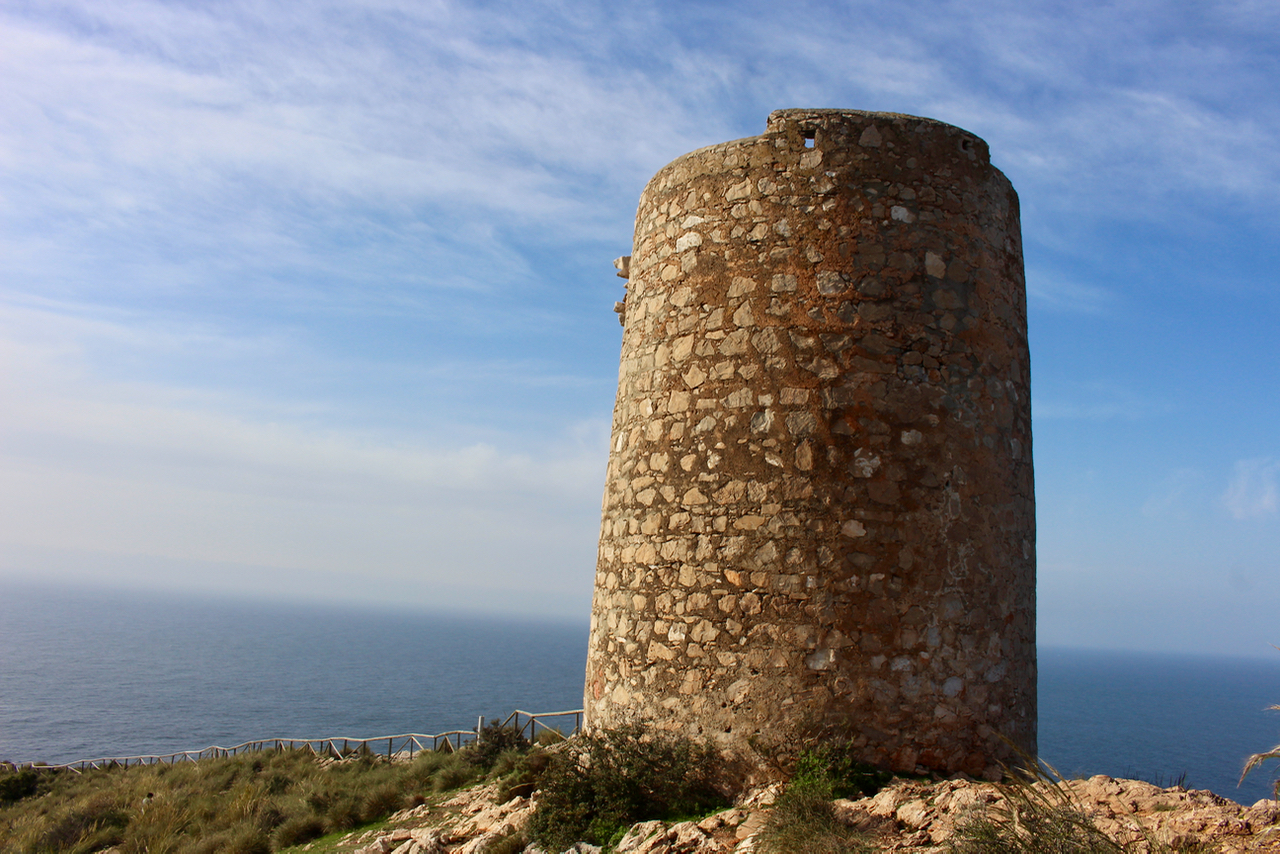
(819, 512)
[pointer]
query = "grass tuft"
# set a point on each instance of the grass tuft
(1257, 759)
(804, 819)
(298, 830)
(1040, 815)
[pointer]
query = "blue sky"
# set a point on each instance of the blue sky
(313, 300)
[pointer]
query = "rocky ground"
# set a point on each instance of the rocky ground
(907, 816)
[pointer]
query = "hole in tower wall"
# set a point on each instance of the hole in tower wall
(810, 136)
(966, 144)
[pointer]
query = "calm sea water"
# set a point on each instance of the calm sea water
(87, 674)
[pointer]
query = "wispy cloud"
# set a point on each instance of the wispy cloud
(1170, 497)
(1056, 292)
(1253, 491)
(1094, 401)
(327, 284)
(163, 472)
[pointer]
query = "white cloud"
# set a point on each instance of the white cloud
(1169, 499)
(172, 476)
(1253, 491)
(221, 225)
(1058, 293)
(1094, 401)
(1088, 107)
(442, 116)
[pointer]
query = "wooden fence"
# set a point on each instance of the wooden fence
(339, 747)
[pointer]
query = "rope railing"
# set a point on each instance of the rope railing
(404, 745)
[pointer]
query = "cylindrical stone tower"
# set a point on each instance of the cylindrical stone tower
(819, 514)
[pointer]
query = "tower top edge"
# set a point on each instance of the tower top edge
(779, 119)
(796, 129)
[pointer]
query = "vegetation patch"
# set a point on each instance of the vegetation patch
(804, 819)
(831, 769)
(602, 783)
(254, 803)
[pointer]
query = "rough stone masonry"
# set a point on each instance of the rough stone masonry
(819, 513)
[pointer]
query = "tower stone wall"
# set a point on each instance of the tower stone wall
(819, 510)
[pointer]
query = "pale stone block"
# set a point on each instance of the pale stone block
(934, 265)
(735, 343)
(688, 241)
(738, 191)
(804, 456)
(853, 528)
(765, 341)
(693, 497)
(659, 652)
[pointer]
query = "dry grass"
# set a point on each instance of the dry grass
(248, 804)
(1257, 759)
(803, 819)
(1039, 814)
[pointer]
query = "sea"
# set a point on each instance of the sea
(90, 673)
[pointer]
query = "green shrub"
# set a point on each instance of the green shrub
(277, 783)
(804, 819)
(492, 741)
(16, 785)
(831, 769)
(426, 763)
(506, 763)
(523, 778)
(612, 779)
(267, 815)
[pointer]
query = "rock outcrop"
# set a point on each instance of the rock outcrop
(907, 816)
